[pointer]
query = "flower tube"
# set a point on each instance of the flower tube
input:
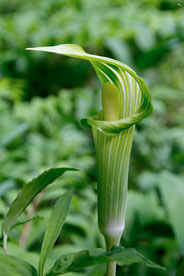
(126, 100)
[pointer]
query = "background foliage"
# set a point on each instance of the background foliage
(44, 96)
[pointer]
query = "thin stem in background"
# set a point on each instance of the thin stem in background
(27, 226)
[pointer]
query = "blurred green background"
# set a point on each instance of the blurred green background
(43, 97)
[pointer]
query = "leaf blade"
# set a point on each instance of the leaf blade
(28, 192)
(180, 270)
(76, 261)
(26, 221)
(172, 191)
(11, 266)
(55, 223)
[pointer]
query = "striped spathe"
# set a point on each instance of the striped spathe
(113, 139)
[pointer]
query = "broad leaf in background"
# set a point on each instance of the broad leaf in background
(76, 261)
(55, 223)
(13, 133)
(120, 50)
(11, 266)
(27, 193)
(172, 190)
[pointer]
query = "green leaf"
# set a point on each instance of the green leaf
(13, 134)
(28, 192)
(11, 266)
(120, 49)
(76, 261)
(26, 221)
(172, 191)
(55, 223)
(180, 271)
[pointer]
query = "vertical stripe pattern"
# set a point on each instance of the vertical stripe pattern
(113, 139)
(113, 155)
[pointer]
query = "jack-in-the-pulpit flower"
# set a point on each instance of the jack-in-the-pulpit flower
(126, 100)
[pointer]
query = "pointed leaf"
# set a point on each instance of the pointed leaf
(76, 261)
(11, 266)
(55, 223)
(28, 192)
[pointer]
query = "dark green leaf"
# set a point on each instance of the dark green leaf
(11, 266)
(128, 256)
(85, 258)
(28, 192)
(55, 223)
(180, 271)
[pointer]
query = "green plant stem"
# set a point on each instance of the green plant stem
(27, 226)
(5, 244)
(110, 242)
(111, 269)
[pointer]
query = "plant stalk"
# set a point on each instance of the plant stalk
(111, 269)
(110, 242)
(5, 244)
